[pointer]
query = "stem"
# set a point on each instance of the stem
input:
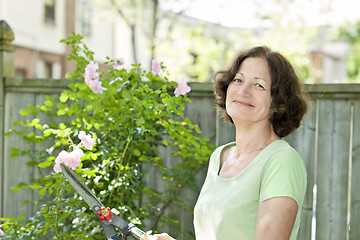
(157, 220)
(167, 204)
(57, 213)
(128, 141)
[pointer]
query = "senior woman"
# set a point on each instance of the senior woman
(255, 186)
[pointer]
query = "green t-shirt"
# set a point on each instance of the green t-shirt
(227, 208)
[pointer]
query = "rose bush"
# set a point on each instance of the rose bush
(131, 114)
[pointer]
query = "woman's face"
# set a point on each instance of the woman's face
(248, 97)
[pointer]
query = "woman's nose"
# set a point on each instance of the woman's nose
(244, 89)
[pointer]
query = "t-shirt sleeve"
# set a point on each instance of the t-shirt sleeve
(284, 175)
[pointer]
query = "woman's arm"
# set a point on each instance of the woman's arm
(275, 218)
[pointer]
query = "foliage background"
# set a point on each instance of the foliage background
(136, 116)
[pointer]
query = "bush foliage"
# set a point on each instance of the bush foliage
(135, 117)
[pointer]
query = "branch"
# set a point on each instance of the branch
(121, 13)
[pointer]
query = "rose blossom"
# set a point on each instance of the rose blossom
(155, 67)
(95, 86)
(86, 139)
(90, 72)
(182, 88)
(72, 159)
(92, 78)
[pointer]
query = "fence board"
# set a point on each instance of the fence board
(15, 170)
(303, 140)
(355, 177)
(332, 176)
(225, 132)
(202, 112)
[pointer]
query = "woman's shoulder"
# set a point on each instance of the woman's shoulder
(221, 150)
(223, 147)
(285, 155)
(282, 147)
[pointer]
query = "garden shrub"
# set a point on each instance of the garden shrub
(131, 114)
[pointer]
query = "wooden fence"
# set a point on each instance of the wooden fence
(328, 141)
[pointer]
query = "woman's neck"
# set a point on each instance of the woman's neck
(255, 137)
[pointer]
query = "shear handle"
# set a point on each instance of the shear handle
(137, 233)
(129, 230)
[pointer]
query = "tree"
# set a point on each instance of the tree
(350, 33)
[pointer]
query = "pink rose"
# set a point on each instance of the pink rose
(63, 157)
(95, 86)
(119, 63)
(155, 67)
(72, 159)
(182, 88)
(86, 139)
(90, 72)
(75, 160)
(1, 233)
(92, 78)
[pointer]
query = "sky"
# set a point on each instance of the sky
(243, 13)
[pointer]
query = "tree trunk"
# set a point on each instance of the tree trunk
(154, 28)
(133, 43)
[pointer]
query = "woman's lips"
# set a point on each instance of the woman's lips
(243, 103)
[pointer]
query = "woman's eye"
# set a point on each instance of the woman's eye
(259, 85)
(237, 80)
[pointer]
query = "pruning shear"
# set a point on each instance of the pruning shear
(107, 218)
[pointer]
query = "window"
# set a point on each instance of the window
(20, 72)
(86, 18)
(50, 11)
(48, 70)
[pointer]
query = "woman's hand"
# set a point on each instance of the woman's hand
(162, 236)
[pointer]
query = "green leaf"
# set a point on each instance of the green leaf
(35, 186)
(89, 172)
(39, 126)
(35, 121)
(62, 126)
(49, 103)
(44, 164)
(166, 100)
(20, 186)
(140, 121)
(14, 152)
(24, 112)
(48, 184)
(93, 156)
(42, 191)
(61, 112)
(64, 97)
(9, 132)
(136, 152)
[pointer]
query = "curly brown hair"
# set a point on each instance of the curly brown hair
(289, 103)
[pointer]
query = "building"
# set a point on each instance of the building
(39, 25)
(329, 60)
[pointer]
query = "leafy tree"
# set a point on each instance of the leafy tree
(350, 33)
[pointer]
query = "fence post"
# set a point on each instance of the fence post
(6, 70)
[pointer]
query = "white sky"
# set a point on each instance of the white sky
(242, 13)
